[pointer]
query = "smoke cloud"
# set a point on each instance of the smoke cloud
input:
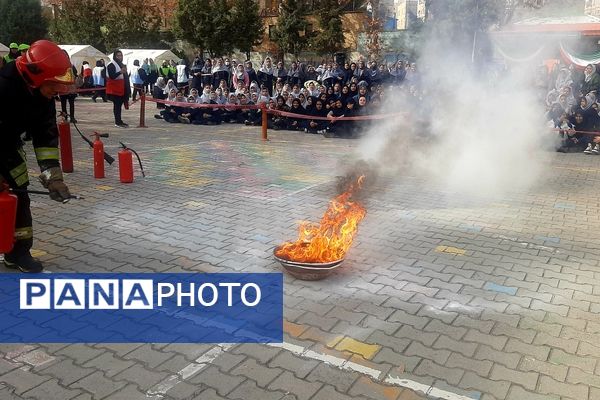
(471, 129)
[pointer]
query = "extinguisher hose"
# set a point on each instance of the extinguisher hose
(138, 157)
(109, 159)
(72, 196)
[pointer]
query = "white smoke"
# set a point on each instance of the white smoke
(474, 132)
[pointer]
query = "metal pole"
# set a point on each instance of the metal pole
(142, 110)
(473, 52)
(263, 110)
(475, 33)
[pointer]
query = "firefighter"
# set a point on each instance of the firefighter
(27, 90)
(23, 47)
(12, 54)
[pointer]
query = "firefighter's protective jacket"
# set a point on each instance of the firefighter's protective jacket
(23, 109)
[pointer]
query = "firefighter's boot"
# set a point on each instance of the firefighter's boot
(24, 262)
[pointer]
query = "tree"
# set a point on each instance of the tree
(130, 24)
(463, 25)
(330, 38)
(192, 21)
(79, 21)
(205, 23)
(290, 23)
(374, 43)
(21, 21)
(487, 13)
(248, 25)
(510, 6)
(221, 40)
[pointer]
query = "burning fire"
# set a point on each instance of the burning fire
(332, 237)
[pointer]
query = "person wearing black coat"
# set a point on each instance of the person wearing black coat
(574, 139)
(362, 73)
(317, 125)
(333, 126)
(196, 71)
(70, 98)
(280, 74)
(251, 72)
(296, 124)
(207, 75)
(293, 75)
(347, 73)
(265, 75)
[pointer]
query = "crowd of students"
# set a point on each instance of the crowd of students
(572, 106)
(299, 98)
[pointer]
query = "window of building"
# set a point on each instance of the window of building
(271, 30)
(270, 4)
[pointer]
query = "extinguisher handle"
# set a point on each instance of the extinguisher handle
(104, 135)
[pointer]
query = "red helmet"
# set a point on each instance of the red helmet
(43, 62)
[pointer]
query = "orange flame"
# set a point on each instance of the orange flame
(332, 237)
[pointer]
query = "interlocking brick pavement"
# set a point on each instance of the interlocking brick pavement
(441, 295)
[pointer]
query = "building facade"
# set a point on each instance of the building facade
(421, 10)
(352, 12)
(592, 7)
(406, 12)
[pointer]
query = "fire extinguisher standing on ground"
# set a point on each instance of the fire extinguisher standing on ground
(8, 216)
(64, 140)
(8, 213)
(126, 164)
(99, 155)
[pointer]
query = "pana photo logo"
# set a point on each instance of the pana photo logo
(129, 294)
(141, 308)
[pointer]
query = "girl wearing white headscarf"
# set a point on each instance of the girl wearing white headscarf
(240, 75)
(564, 78)
(591, 80)
(158, 91)
(265, 75)
(170, 85)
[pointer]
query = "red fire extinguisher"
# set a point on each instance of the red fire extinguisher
(126, 164)
(66, 150)
(8, 215)
(99, 155)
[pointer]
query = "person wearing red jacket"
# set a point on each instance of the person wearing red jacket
(117, 86)
(27, 90)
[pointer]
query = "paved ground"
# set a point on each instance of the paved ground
(462, 299)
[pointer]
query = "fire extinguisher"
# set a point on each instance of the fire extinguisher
(8, 216)
(99, 155)
(66, 150)
(126, 164)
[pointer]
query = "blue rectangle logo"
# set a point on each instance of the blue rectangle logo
(141, 308)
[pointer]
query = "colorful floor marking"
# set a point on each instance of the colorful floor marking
(450, 250)
(104, 187)
(500, 288)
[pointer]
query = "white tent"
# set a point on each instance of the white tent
(129, 55)
(81, 53)
(3, 50)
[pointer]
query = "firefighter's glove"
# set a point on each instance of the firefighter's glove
(59, 191)
(52, 180)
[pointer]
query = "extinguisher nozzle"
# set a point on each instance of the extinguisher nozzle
(73, 196)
